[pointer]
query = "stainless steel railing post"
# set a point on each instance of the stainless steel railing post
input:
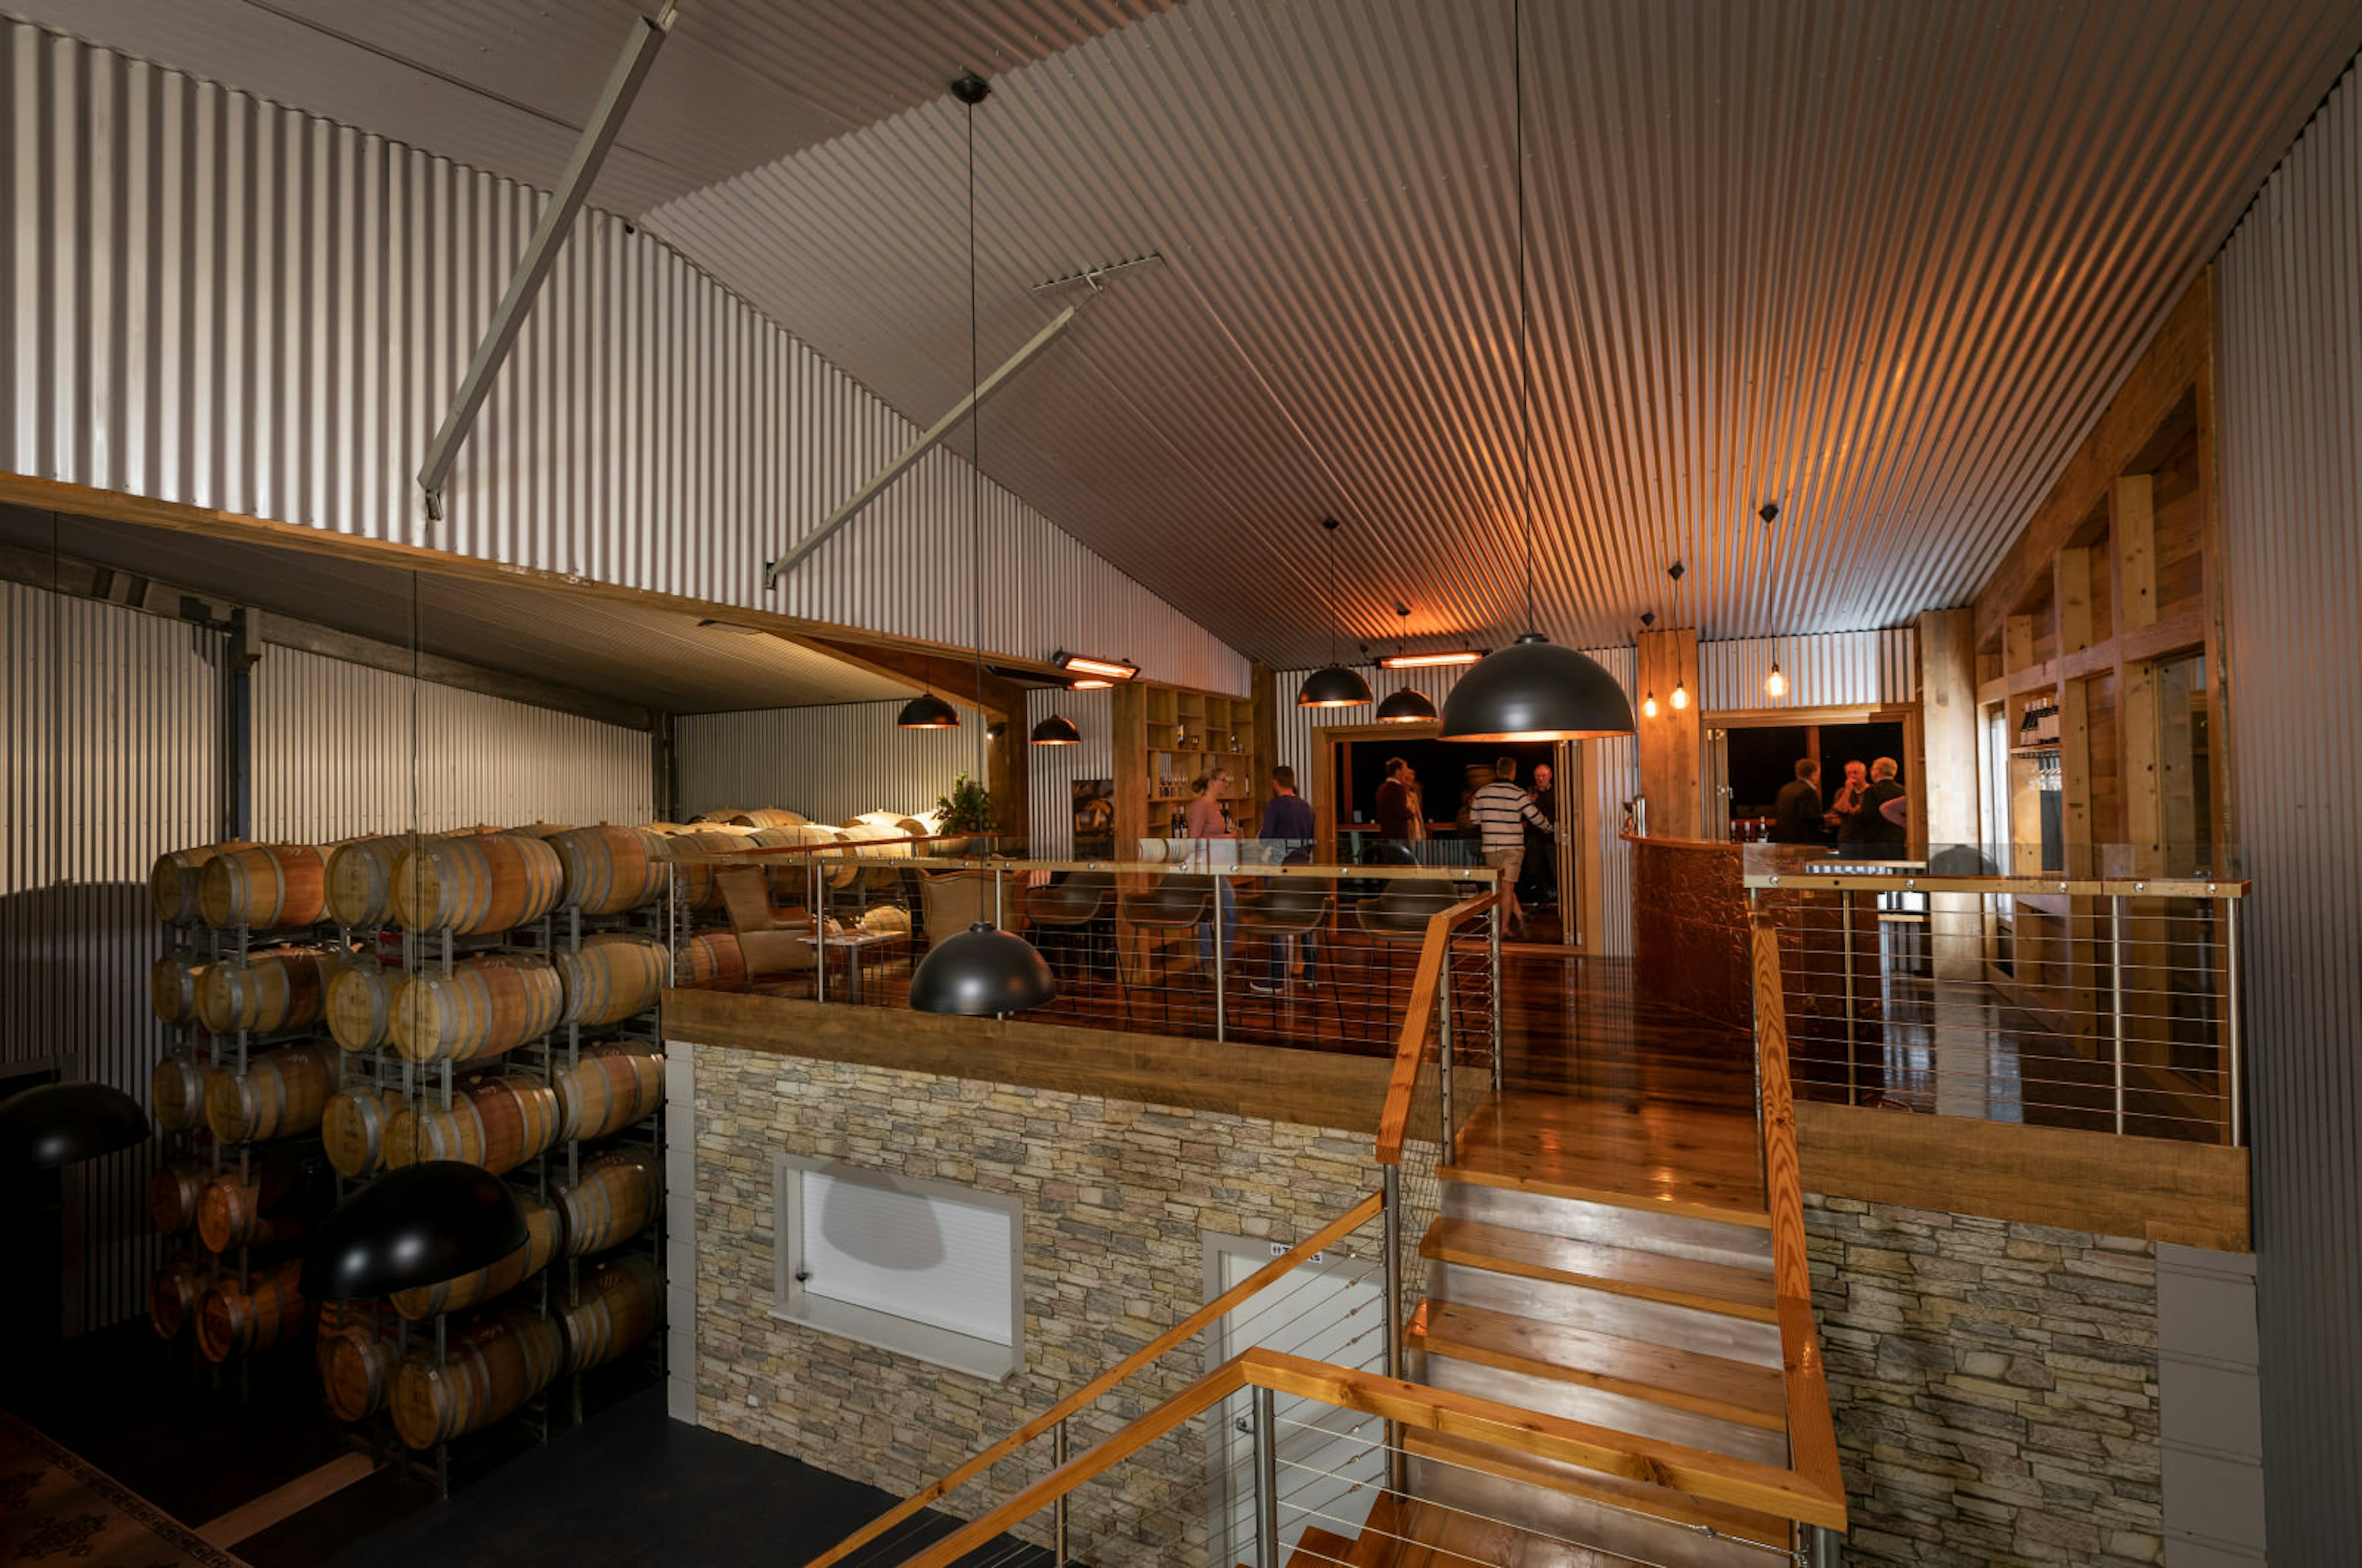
(1267, 1463)
(1443, 1056)
(820, 928)
(1221, 1010)
(1845, 940)
(1058, 1510)
(2117, 1000)
(1493, 944)
(2233, 1066)
(1391, 1221)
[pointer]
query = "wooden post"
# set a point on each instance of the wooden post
(1947, 708)
(1671, 742)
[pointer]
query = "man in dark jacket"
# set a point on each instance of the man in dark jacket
(1796, 815)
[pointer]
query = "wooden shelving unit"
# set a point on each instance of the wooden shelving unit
(1164, 737)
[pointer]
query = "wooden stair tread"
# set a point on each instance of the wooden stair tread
(1664, 1159)
(1649, 1276)
(1317, 1548)
(1639, 1496)
(1407, 1533)
(1713, 1386)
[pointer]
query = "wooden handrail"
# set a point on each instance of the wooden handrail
(1328, 1235)
(1717, 1477)
(1411, 1045)
(1812, 1432)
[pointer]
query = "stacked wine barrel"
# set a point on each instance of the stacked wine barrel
(250, 954)
(484, 996)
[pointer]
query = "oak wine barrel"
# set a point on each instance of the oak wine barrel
(264, 887)
(498, 1122)
(359, 880)
(608, 869)
(544, 1239)
(484, 1007)
(615, 975)
(176, 1093)
(481, 882)
(789, 875)
(711, 961)
(172, 1296)
(357, 1363)
(693, 854)
(492, 1366)
(613, 1201)
(279, 987)
(612, 1087)
(172, 982)
(354, 1127)
(616, 1308)
(359, 1006)
(173, 1194)
(759, 817)
(283, 1094)
(173, 880)
(231, 1321)
(891, 920)
(233, 1213)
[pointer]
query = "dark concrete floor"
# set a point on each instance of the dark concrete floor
(628, 1486)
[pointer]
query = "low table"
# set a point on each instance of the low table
(853, 944)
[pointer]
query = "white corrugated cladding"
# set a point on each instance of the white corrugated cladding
(1833, 669)
(217, 301)
(1619, 777)
(1051, 770)
(340, 749)
(112, 731)
(2289, 380)
(831, 763)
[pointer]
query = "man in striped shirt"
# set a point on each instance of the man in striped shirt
(1499, 811)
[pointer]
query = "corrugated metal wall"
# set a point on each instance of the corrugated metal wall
(2289, 380)
(217, 301)
(1053, 769)
(1619, 775)
(829, 763)
(1832, 669)
(112, 731)
(340, 750)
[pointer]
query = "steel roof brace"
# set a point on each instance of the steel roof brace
(573, 186)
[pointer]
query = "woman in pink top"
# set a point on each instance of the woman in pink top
(1208, 818)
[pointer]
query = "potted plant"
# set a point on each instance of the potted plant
(967, 809)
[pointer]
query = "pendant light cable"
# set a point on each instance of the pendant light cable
(976, 454)
(1525, 355)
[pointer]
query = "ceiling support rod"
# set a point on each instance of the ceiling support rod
(773, 571)
(573, 186)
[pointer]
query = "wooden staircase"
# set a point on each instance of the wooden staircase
(1612, 1268)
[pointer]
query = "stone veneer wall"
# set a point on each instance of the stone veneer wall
(1995, 1386)
(1118, 1196)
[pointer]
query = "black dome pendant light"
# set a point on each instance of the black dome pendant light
(64, 1124)
(983, 971)
(1532, 689)
(1408, 706)
(927, 711)
(417, 1225)
(1056, 730)
(1333, 685)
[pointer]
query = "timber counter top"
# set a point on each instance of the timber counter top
(1313, 1088)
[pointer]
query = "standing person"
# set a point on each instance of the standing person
(1501, 812)
(1400, 811)
(1210, 819)
(1853, 829)
(1541, 848)
(1287, 821)
(1796, 815)
(1885, 811)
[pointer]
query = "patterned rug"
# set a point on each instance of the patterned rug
(56, 1509)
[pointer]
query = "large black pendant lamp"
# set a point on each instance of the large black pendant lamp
(1408, 706)
(1333, 686)
(927, 711)
(417, 1225)
(984, 970)
(1532, 689)
(64, 1124)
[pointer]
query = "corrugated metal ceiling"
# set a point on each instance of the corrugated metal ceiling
(657, 659)
(1880, 264)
